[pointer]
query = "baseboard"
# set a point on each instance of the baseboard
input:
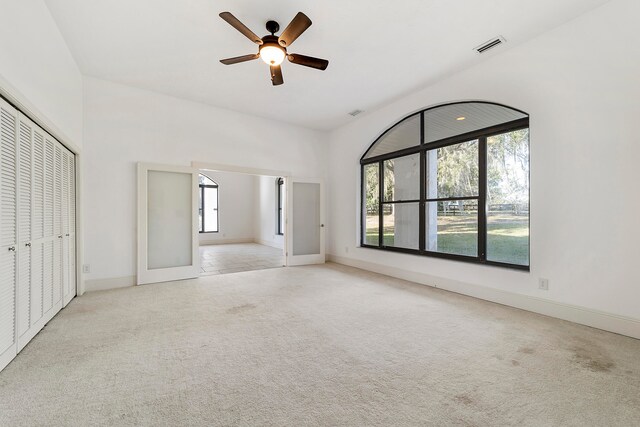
(597, 319)
(226, 241)
(269, 243)
(8, 355)
(111, 283)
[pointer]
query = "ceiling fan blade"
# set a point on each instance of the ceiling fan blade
(235, 23)
(308, 61)
(276, 75)
(297, 26)
(238, 59)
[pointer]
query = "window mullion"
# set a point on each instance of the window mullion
(482, 199)
(363, 206)
(202, 228)
(380, 199)
(421, 209)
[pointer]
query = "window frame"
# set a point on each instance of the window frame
(279, 206)
(201, 188)
(481, 135)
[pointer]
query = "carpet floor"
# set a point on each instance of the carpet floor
(315, 345)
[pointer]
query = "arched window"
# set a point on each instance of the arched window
(208, 204)
(280, 206)
(451, 181)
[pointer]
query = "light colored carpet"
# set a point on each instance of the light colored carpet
(317, 345)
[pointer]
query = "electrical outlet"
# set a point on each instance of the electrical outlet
(86, 268)
(543, 284)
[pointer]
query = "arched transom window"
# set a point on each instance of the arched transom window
(451, 181)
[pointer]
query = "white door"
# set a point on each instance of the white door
(305, 222)
(167, 223)
(68, 285)
(8, 243)
(24, 247)
(39, 299)
(57, 226)
(70, 235)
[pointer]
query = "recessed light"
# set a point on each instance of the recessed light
(461, 118)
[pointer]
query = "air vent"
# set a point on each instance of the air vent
(355, 112)
(497, 41)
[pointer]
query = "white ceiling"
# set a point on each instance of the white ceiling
(377, 50)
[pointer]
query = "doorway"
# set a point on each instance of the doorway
(241, 222)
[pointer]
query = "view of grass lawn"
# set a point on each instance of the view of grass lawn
(507, 235)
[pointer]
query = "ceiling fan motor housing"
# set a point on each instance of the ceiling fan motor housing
(273, 27)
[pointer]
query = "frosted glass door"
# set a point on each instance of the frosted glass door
(167, 233)
(306, 236)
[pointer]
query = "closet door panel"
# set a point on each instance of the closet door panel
(47, 263)
(37, 227)
(8, 121)
(66, 282)
(72, 224)
(57, 226)
(23, 309)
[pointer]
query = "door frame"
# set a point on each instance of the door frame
(145, 275)
(286, 175)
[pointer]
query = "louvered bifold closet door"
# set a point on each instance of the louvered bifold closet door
(66, 283)
(8, 125)
(23, 310)
(71, 233)
(37, 232)
(57, 226)
(49, 236)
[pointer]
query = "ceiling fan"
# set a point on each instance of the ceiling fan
(273, 49)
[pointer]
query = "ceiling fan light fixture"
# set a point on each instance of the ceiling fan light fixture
(273, 49)
(272, 54)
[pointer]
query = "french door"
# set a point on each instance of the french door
(167, 223)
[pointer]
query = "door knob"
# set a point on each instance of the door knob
(322, 225)
(12, 249)
(60, 236)
(28, 245)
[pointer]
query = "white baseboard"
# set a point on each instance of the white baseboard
(269, 243)
(8, 355)
(597, 319)
(226, 241)
(110, 283)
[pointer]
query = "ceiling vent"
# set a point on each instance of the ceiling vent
(496, 41)
(355, 112)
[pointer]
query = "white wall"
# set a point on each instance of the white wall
(580, 85)
(237, 203)
(37, 68)
(266, 212)
(124, 125)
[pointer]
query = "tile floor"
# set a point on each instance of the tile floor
(232, 258)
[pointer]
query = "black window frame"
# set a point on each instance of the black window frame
(481, 135)
(279, 206)
(201, 188)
